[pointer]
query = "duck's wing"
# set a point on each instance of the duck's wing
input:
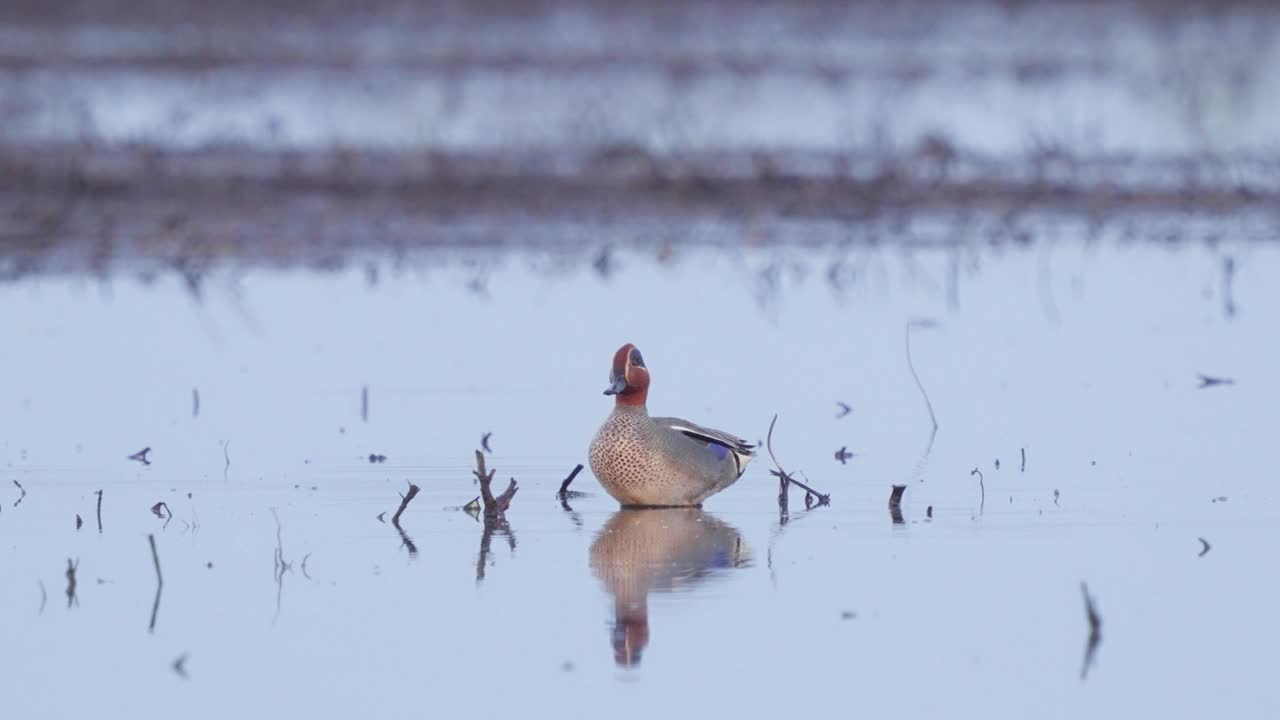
(742, 450)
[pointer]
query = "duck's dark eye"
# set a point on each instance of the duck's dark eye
(636, 360)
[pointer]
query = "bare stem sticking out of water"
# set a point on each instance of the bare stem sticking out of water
(982, 486)
(493, 506)
(1095, 631)
(785, 478)
(405, 499)
(928, 323)
(564, 486)
(895, 504)
(155, 558)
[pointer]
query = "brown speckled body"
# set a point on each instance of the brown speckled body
(641, 462)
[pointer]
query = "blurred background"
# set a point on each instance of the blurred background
(180, 132)
(263, 266)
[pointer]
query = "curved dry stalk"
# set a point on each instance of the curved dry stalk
(783, 476)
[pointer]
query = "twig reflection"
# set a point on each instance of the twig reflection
(155, 558)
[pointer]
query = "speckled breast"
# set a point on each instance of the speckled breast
(627, 460)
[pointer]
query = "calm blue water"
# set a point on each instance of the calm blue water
(1085, 357)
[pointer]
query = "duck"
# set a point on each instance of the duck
(645, 461)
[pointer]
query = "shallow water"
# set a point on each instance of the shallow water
(1082, 358)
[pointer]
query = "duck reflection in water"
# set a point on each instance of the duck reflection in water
(657, 550)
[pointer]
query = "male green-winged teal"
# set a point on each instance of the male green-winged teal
(659, 461)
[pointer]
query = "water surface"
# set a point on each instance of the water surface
(1084, 359)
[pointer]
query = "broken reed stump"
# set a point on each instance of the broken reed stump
(493, 506)
(564, 486)
(405, 499)
(895, 504)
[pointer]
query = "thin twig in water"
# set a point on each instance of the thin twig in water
(18, 502)
(785, 478)
(1095, 631)
(99, 511)
(911, 366)
(404, 503)
(1206, 545)
(155, 557)
(395, 520)
(982, 503)
(564, 486)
